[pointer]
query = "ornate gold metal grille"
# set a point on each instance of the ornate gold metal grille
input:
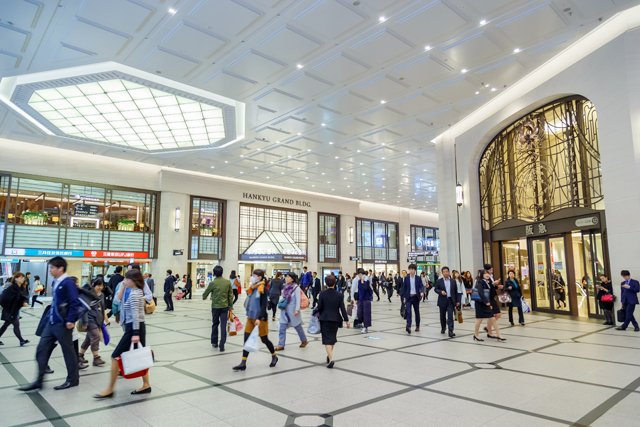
(546, 161)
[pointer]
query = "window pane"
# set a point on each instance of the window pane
(127, 211)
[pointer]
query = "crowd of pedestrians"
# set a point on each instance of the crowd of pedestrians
(129, 299)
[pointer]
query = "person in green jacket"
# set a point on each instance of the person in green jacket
(221, 302)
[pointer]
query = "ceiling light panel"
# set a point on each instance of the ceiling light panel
(118, 109)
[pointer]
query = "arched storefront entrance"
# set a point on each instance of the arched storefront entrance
(543, 206)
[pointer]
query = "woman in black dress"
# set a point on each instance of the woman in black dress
(485, 308)
(13, 299)
(332, 313)
(605, 288)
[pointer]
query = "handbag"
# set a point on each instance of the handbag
(150, 308)
(475, 294)
(459, 315)
(622, 314)
(238, 323)
(504, 298)
(251, 344)
(350, 310)
(314, 325)
(403, 311)
(607, 298)
(136, 362)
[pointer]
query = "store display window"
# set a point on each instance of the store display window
(254, 220)
(376, 241)
(207, 228)
(328, 238)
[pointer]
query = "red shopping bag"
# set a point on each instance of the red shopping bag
(238, 324)
(135, 374)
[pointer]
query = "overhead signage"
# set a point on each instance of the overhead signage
(9, 260)
(82, 209)
(88, 198)
(586, 222)
(272, 257)
(354, 258)
(278, 200)
(423, 253)
(114, 254)
(178, 252)
(43, 252)
(380, 261)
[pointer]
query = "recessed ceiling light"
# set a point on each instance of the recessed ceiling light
(358, 151)
(241, 172)
(383, 143)
(362, 174)
(407, 152)
(331, 142)
(484, 21)
(267, 177)
(404, 164)
(172, 10)
(258, 149)
(317, 163)
(427, 47)
(433, 140)
(313, 185)
(212, 167)
(306, 177)
(383, 102)
(340, 168)
(424, 170)
(324, 124)
(298, 133)
(464, 70)
(226, 161)
(382, 19)
(291, 182)
(328, 182)
(255, 167)
(516, 50)
(333, 189)
(477, 93)
(493, 89)
(322, 173)
(337, 157)
(299, 65)
(487, 85)
(281, 173)
(345, 177)
(360, 164)
(384, 158)
(383, 170)
(308, 149)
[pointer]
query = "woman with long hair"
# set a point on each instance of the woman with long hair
(291, 316)
(462, 292)
(257, 317)
(515, 292)
(467, 279)
(37, 288)
(235, 284)
(363, 300)
(131, 298)
(13, 299)
(484, 309)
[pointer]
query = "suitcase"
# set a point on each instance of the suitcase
(179, 295)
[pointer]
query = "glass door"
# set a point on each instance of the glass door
(549, 272)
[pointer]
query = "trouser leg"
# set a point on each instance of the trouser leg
(511, 314)
(235, 295)
(520, 314)
(215, 315)
(282, 335)
(443, 318)
(4, 327)
(65, 339)
(224, 316)
(415, 302)
(43, 352)
(408, 312)
(16, 329)
(450, 312)
(265, 340)
(301, 335)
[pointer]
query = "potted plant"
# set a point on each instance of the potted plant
(126, 225)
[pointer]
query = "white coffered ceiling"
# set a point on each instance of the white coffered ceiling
(342, 97)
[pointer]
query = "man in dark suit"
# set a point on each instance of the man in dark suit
(342, 284)
(169, 287)
(412, 293)
(59, 327)
(447, 290)
(374, 283)
(316, 288)
(629, 300)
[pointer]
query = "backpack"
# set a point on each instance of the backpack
(304, 301)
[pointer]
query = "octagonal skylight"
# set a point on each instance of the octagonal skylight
(127, 108)
(129, 114)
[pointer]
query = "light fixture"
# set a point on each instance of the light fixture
(382, 19)
(459, 195)
(351, 233)
(493, 89)
(172, 10)
(427, 47)
(408, 239)
(177, 221)
(324, 124)
(383, 102)
(516, 50)
(299, 65)
(477, 93)
(484, 21)
(464, 70)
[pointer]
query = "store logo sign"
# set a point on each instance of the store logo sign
(586, 222)
(264, 198)
(420, 242)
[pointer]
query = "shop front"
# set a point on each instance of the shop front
(207, 238)
(425, 250)
(543, 207)
(95, 227)
(377, 246)
(271, 239)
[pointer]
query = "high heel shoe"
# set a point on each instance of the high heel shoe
(501, 339)
(490, 336)
(477, 339)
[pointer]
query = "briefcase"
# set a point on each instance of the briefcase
(621, 315)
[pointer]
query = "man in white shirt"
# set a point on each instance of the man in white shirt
(447, 290)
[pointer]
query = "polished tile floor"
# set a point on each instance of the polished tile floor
(553, 371)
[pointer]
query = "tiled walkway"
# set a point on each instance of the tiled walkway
(553, 371)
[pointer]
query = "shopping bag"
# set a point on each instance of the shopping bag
(238, 324)
(179, 295)
(459, 315)
(150, 308)
(314, 325)
(231, 325)
(105, 334)
(350, 308)
(135, 361)
(525, 306)
(251, 344)
(621, 315)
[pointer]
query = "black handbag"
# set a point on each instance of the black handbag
(621, 315)
(43, 321)
(403, 311)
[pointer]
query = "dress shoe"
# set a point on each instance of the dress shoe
(81, 358)
(442, 331)
(304, 344)
(521, 324)
(24, 342)
(145, 391)
(1, 343)
(221, 349)
(636, 329)
(512, 324)
(32, 386)
(418, 329)
(48, 370)
(82, 366)
(214, 345)
(408, 330)
(106, 396)
(620, 329)
(66, 385)
(451, 334)
(501, 339)
(477, 339)
(490, 336)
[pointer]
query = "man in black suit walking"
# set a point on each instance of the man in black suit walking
(169, 287)
(316, 288)
(412, 293)
(447, 290)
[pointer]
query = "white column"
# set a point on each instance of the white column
(170, 239)
(312, 241)
(404, 231)
(231, 235)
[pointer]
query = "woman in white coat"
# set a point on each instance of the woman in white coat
(291, 315)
